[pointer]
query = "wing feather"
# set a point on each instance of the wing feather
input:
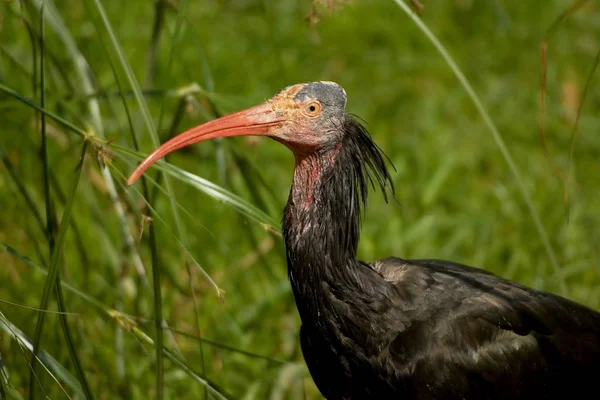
(486, 330)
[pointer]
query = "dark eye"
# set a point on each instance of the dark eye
(313, 108)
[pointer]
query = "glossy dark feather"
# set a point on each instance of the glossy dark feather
(418, 329)
(451, 331)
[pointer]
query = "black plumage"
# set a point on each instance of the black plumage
(425, 329)
(395, 328)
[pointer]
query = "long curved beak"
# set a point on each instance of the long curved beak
(256, 121)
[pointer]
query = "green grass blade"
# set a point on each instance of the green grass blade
(129, 324)
(174, 41)
(584, 96)
(119, 333)
(54, 369)
(81, 67)
(53, 58)
(155, 260)
(98, 305)
(137, 92)
(58, 289)
(3, 378)
(31, 34)
(173, 131)
(160, 15)
(229, 348)
(83, 73)
(110, 184)
(54, 269)
(85, 260)
(43, 111)
(211, 386)
(158, 318)
(157, 217)
(181, 14)
(159, 19)
(69, 340)
(22, 189)
(152, 241)
(50, 218)
(180, 232)
(33, 308)
(50, 223)
(14, 61)
(209, 188)
(497, 138)
(152, 130)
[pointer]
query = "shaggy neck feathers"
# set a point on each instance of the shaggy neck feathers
(321, 223)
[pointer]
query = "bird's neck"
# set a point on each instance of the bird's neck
(321, 223)
(321, 231)
(322, 212)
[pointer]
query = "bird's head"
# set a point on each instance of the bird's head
(305, 117)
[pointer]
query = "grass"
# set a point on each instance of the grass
(178, 287)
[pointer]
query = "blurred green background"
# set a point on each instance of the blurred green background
(457, 198)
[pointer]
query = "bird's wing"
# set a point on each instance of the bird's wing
(476, 323)
(476, 293)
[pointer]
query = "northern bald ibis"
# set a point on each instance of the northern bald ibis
(396, 328)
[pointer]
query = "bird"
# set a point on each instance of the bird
(398, 328)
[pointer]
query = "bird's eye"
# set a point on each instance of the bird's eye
(313, 108)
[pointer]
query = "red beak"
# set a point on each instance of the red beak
(255, 121)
